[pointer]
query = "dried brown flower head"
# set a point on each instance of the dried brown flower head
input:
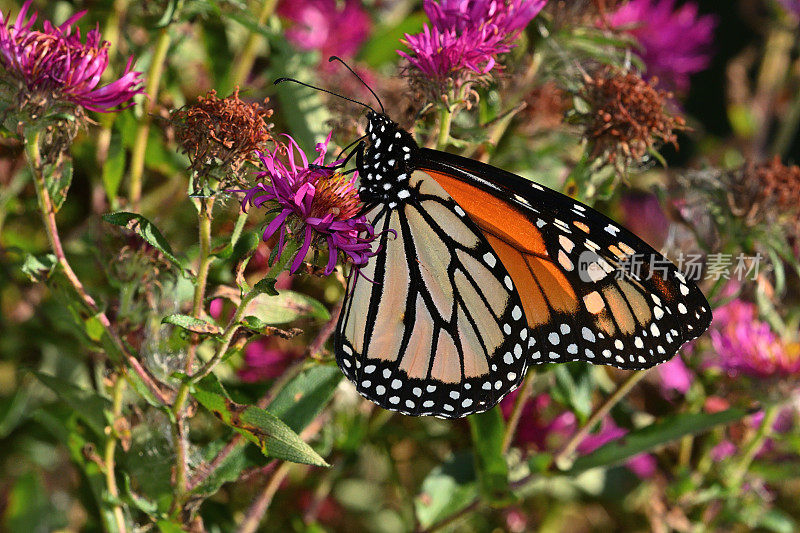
(768, 192)
(545, 107)
(220, 135)
(627, 115)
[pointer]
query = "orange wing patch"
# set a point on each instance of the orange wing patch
(541, 285)
(493, 215)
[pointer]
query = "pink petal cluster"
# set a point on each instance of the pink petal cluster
(791, 5)
(315, 204)
(746, 345)
(676, 42)
(263, 361)
(329, 26)
(466, 36)
(56, 62)
(643, 465)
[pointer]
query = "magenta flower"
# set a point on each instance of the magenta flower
(723, 450)
(643, 465)
(263, 361)
(465, 37)
(674, 375)
(326, 25)
(676, 43)
(791, 5)
(315, 205)
(537, 431)
(55, 65)
(746, 345)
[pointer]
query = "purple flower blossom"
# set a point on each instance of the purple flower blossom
(791, 5)
(746, 345)
(675, 375)
(55, 63)
(723, 450)
(643, 465)
(465, 37)
(316, 205)
(263, 361)
(325, 26)
(537, 431)
(676, 42)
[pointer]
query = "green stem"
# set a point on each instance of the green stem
(204, 210)
(48, 212)
(110, 450)
(139, 151)
(565, 456)
(237, 229)
(243, 64)
(756, 443)
(445, 120)
(183, 392)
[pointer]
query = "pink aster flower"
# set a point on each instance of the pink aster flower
(746, 345)
(675, 42)
(315, 205)
(643, 465)
(263, 361)
(464, 37)
(55, 65)
(331, 27)
(538, 431)
(791, 5)
(674, 375)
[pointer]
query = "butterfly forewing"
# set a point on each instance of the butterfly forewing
(591, 290)
(433, 325)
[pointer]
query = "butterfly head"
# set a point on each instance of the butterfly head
(387, 164)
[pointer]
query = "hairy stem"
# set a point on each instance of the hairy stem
(139, 151)
(204, 210)
(753, 447)
(49, 218)
(445, 120)
(111, 448)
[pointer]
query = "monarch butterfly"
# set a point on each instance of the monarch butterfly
(481, 273)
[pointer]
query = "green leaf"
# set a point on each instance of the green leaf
(193, 324)
(143, 504)
(487, 430)
(28, 507)
(653, 436)
(231, 467)
(285, 307)
(146, 230)
(58, 179)
(302, 399)
(39, 268)
(265, 430)
(303, 109)
(88, 405)
(574, 387)
(382, 46)
(266, 286)
(165, 526)
(446, 490)
(114, 168)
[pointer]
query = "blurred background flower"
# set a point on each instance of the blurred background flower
(334, 28)
(675, 40)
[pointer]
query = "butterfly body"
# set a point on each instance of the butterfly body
(482, 273)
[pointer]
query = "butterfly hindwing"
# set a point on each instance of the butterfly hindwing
(575, 270)
(432, 325)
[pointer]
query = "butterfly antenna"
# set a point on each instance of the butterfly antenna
(281, 80)
(353, 72)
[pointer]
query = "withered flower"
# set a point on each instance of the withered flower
(220, 134)
(627, 116)
(545, 106)
(766, 193)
